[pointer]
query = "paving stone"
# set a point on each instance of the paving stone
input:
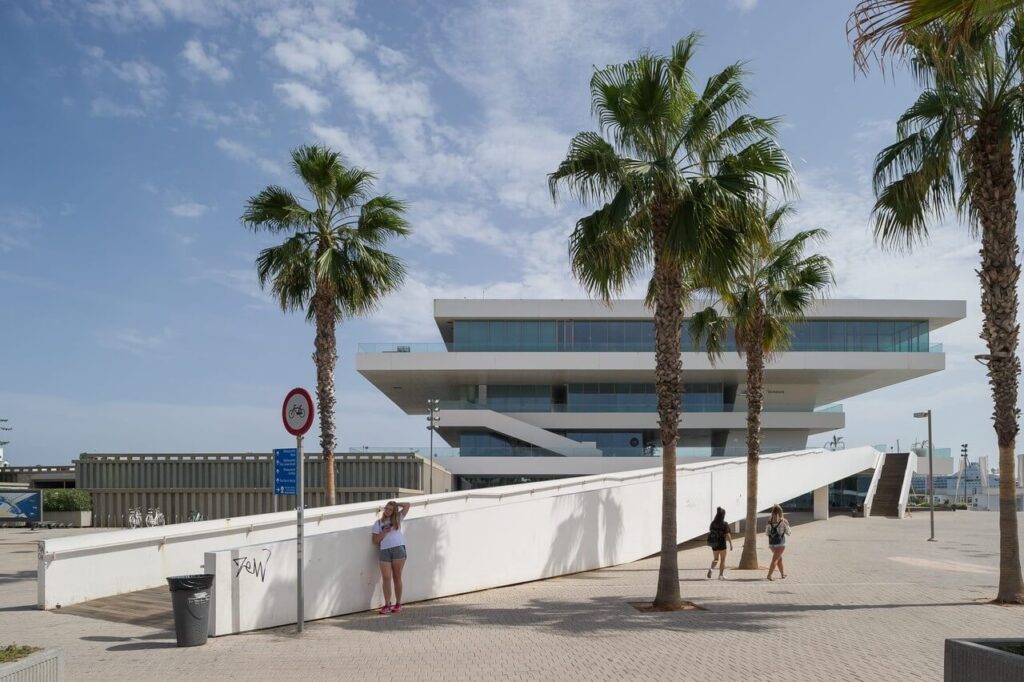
(865, 599)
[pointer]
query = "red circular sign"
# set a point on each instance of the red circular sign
(297, 412)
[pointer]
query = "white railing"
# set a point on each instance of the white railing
(869, 496)
(908, 476)
(84, 567)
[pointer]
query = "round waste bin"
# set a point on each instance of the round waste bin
(190, 595)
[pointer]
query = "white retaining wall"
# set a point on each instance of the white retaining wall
(462, 542)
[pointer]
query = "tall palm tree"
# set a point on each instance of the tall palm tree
(882, 27)
(772, 288)
(332, 264)
(955, 150)
(667, 160)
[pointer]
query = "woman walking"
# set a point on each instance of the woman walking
(778, 529)
(718, 535)
(387, 533)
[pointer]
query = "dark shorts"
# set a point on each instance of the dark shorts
(392, 554)
(718, 548)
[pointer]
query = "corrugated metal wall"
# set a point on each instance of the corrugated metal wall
(225, 486)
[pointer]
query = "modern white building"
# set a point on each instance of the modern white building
(566, 387)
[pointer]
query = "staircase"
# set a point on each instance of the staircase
(890, 485)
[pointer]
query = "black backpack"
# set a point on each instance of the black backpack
(775, 534)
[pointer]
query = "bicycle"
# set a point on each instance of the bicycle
(135, 517)
(154, 517)
(195, 516)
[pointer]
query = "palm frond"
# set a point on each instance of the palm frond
(275, 209)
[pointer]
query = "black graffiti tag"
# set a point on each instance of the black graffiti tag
(253, 565)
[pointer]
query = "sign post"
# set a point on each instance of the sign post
(297, 415)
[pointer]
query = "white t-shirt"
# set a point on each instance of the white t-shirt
(392, 539)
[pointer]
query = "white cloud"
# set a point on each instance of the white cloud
(189, 209)
(128, 14)
(744, 5)
(101, 106)
(200, 113)
(15, 226)
(299, 96)
(205, 60)
(132, 340)
(237, 150)
(144, 78)
(311, 56)
(441, 227)
(358, 150)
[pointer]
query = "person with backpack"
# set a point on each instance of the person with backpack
(387, 534)
(778, 529)
(718, 535)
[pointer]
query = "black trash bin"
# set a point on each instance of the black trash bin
(190, 595)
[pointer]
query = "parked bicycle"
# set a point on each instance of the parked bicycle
(195, 516)
(135, 517)
(154, 517)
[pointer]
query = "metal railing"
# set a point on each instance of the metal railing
(617, 406)
(596, 347)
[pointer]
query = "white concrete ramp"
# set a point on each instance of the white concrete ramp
(458, 542)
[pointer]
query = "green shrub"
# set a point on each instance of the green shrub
(66, 499)
(13, 652)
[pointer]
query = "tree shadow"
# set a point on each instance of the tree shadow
(591, 616)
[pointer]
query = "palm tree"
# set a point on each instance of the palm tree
(771, 289)
(955, 149)
(836, 443)
(667, 160)
(332, 263)
(882, 27)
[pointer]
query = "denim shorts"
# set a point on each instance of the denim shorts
(392, 554)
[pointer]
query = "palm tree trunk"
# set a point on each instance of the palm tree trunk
(754, 350)
(668, 322)
(993, 195)
(325, 356)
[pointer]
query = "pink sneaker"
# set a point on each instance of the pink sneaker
(396, 608)
(386, 610)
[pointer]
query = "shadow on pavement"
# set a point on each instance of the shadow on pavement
(137, 646)
(589, 616)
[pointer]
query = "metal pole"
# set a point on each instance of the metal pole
(431, 451)
(300, 503)
(931, 479)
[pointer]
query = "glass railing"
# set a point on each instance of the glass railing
(612, 406)
(625, 347)
(582, 451)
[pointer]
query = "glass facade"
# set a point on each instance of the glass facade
(901, 336)
(613, 443)
(697, 397)
(519, 398)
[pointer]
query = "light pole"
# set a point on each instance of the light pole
(931, 473)
(433, 407)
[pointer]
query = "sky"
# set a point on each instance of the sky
(133, 132)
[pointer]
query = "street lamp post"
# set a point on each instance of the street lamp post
(931, 472)
(433, 407)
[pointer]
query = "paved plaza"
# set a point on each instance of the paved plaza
(866, 599)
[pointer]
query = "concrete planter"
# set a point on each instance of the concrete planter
(968, 660)
(77, 519)
(43, 666)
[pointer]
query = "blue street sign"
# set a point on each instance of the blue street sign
(285, 470)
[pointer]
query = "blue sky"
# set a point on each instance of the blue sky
(133, 132)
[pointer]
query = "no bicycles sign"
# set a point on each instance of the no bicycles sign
(297, 412)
